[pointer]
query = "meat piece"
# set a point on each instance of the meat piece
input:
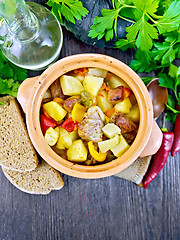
(122, 121)
(56, 90)
(95, 112)
(130, 136)
(90, 129)
(70, 102)
(115, 94)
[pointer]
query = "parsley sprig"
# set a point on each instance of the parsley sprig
(10, 77)
(9, 70)
(71, 10)
(147, 24)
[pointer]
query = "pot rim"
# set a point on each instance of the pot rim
(89, 60)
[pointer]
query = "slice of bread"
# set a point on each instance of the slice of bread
(16, 150)
(39, 181)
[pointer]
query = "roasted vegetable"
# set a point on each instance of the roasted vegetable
(47, 123)
(64, 140)
(120, 148)
(110, 112)
(115, 81)
(54, 110)
(71, 85)
(51, 136)
(92, 84)
(104, 146)
(98, 72)
(86, 99)
(110, 130)
(77, 152)
(69, 125)
(78, 112)
(124, 106)
(98, 156)
(134, 114)
(103, 102)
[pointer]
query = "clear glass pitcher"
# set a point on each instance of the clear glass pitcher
(30, 35)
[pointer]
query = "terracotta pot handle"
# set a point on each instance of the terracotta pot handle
(154, 142)
(24, 91)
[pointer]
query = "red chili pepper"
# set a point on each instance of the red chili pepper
(176, 143)
(69, 125)
(160, 158)
(47, 123)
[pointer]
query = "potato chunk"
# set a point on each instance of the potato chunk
(104, 146)
(115, 81)
(92, 84)
(51, 136)
(103, 102)
(98, 72)
(64, 140)
(70, 85)
(54, 110)
(77, 152)
(134, 114)
(110, 130)
(119, 149)
(123, 106)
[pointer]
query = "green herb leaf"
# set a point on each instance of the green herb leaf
(102, 25)
(148, 6)
(171, 36)
(164, 52)
(172, 109)
(9, 86)
(170, 116)
(166, 81)
(171, 101)
(147, 80)
(71, 10)
(173, 71)
(171, 18)
(9, 70)
(143, 32)
(143, 62)
(124, 44)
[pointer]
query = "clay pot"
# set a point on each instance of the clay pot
(30, 94)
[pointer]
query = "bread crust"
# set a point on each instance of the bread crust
(16, 150)
(42, 180)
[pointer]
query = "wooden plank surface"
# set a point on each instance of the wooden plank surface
(109, 208)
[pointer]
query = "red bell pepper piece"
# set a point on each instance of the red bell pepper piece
(160, 158)
(69, 125)
(47, 123)
(176, 143)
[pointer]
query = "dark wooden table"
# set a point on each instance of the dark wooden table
(102, 209)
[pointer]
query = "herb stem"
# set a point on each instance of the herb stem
(173, 43)
(156, 16)
(126, 19)
(150, 18)
(129, 6)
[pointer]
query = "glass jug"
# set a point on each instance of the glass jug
(30, 35)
